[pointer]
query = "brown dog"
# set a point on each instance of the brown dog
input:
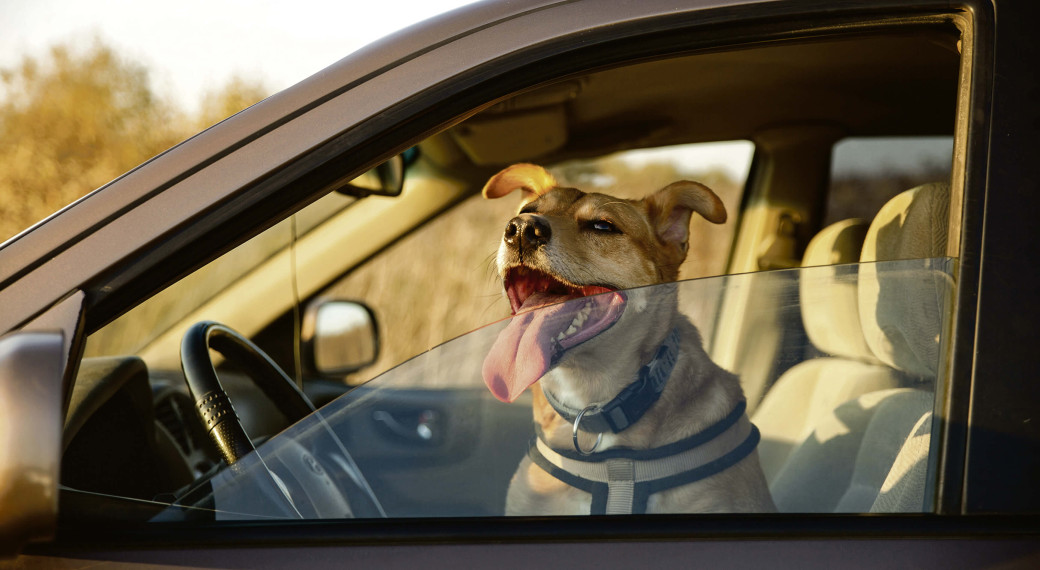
(632, 415)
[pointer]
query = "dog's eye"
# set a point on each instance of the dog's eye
(604, 226)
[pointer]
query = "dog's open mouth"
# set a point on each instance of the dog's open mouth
(566, 316)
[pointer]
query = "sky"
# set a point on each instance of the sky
(192, 47)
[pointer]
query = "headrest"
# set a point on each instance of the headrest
(913, 225)
(900, 323)
(829, 294)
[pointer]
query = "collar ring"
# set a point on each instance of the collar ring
(574, 431)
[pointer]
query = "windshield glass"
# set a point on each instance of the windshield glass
(134, 330)
(412, 451)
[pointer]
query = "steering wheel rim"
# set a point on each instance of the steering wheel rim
(213, 405)
(212, 402)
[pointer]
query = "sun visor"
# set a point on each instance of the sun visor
(512, 137)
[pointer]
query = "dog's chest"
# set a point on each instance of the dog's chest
(535, 492)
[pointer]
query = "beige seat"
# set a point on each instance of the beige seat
(845, 460)
(830, 315)
(849, 432)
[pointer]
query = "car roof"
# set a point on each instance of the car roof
(884, 84)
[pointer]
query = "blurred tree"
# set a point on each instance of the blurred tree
(71, 123)
(235, 95)
(75, 120)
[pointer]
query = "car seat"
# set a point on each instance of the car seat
(849, 432)
(830, 314)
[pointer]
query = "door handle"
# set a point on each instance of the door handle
(422, 432)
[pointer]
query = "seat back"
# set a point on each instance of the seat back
(810, 390)
(870, 400)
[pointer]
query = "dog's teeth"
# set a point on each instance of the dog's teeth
(579, 319)
(578, 322)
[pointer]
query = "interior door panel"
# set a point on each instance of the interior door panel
(421, 449)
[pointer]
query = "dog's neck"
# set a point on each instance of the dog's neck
(629, 405)
(679, 411)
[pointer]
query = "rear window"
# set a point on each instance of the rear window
(867, 172)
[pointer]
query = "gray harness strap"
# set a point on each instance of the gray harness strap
(621, 486)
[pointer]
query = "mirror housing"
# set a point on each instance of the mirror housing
(339, 337)
(30, 437)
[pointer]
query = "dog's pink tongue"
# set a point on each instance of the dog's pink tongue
(523, 352)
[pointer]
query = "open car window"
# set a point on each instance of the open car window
(456, 451)
(826, 393)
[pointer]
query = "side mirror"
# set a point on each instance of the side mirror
(339, 337)
(387, 179)
(30, 436)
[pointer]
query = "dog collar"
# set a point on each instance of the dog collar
(632, 402)
(621, 480)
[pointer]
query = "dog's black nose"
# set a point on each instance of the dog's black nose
(528, 231)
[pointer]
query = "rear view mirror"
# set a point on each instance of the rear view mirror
(387, 179)
(339, 337)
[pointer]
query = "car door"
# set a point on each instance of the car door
(138, 235)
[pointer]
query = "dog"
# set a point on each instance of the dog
(631, 414)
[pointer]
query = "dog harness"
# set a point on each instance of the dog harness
(621, 480)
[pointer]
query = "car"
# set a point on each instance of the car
(264, 346)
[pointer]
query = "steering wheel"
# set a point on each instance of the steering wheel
(214, 409)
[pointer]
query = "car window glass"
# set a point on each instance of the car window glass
(461, 452)
(152, 321)
(816, 352)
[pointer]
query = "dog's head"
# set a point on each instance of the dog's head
(565, 245)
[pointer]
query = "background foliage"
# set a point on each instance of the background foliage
(75, 119)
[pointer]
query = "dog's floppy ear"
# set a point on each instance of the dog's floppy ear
(671, 207)
(531, 178)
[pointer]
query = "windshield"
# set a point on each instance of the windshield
(141, 325)
(468, 451)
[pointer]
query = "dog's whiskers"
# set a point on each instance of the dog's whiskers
(490, 271)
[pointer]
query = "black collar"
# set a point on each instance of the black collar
(633, 401)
